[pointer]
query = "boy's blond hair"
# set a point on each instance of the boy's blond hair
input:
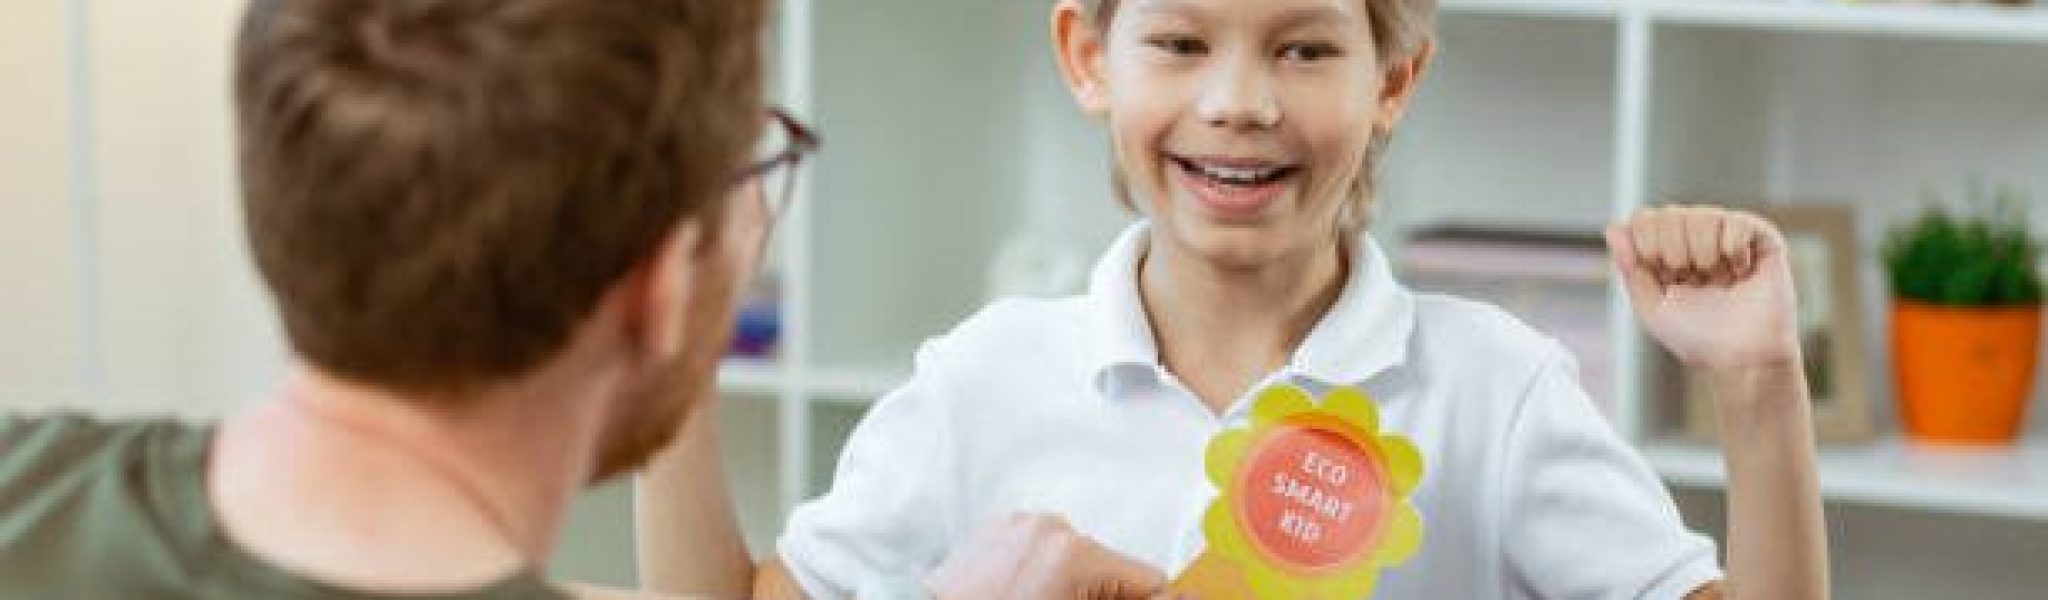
(1400, 28)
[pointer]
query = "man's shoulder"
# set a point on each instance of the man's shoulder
(57, 452)
(116, 508)
(90, 504)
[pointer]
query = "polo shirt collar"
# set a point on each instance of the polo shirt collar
(1364, 333)
(1121, 333)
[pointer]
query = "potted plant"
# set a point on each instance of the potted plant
(1966, 321)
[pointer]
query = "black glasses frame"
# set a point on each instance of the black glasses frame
(803, 141)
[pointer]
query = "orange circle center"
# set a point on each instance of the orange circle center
(1311, 498)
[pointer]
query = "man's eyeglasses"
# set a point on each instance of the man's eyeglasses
(781, 150)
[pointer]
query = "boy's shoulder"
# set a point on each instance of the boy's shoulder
(1012, 341)
(1020, 328)
(1489, 364)
(1007, 357)
(1471, 332)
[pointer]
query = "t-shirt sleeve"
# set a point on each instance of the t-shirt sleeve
(1583, 515)
(888, 513)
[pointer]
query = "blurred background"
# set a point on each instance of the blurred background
(956, 170)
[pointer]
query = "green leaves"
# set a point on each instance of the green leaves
(1988, 260)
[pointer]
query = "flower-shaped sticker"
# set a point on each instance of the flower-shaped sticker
(1314, 499)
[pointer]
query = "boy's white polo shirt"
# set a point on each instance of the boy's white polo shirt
(1061, 406)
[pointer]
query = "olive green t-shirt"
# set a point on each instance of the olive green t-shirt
(97, 509)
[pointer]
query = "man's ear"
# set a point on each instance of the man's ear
(651, 297)
(1078, 47)
(1398, 84)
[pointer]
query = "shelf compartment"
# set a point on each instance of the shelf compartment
(1554, 9)
(1970, 23)
(2007, 483)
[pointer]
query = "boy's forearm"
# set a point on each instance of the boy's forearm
(688, 539)
(1777, 535)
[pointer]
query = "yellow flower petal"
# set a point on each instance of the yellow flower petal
(1403, 463)
(1279, 402)
(1226, 452)
(1403, 537)
(1354, 407)
(1353, 581)
(1220, 527)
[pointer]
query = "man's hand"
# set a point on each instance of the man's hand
(1713, 285)
(1039, 557)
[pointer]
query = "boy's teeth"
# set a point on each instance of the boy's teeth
(1236, 174)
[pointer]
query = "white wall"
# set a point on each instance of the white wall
(182, 326)
(126, 287)
(39, 338)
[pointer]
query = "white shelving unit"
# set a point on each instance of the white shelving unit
(2005, 484)
(1570, 9)
(750, 377)
(1974, 23)
(1970, 23)
(947, 132)
(1749, 100)
(844, 385)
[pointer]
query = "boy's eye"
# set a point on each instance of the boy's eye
(1178, 45)
(1310, 51)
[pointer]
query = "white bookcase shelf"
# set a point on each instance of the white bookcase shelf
(1566, 9)
(1967, 23)
(852, 386)
(2005, 483)
(855, 386)
(750, 377)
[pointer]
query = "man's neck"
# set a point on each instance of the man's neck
(362, 487)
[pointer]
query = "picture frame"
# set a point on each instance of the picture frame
(1821, 240)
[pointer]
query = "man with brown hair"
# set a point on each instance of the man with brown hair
(503, 237)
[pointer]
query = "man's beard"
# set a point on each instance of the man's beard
(652, 414)
(656, 413)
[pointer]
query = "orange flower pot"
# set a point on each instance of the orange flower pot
(1964, 374)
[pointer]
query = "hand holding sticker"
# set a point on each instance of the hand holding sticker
(1313, 501)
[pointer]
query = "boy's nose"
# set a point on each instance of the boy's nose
(1239, 95)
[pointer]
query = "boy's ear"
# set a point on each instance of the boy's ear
(1399, 82)
(1078, 49)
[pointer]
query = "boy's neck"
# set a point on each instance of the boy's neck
(1221, 328)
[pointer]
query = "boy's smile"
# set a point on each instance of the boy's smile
(1233, 188)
